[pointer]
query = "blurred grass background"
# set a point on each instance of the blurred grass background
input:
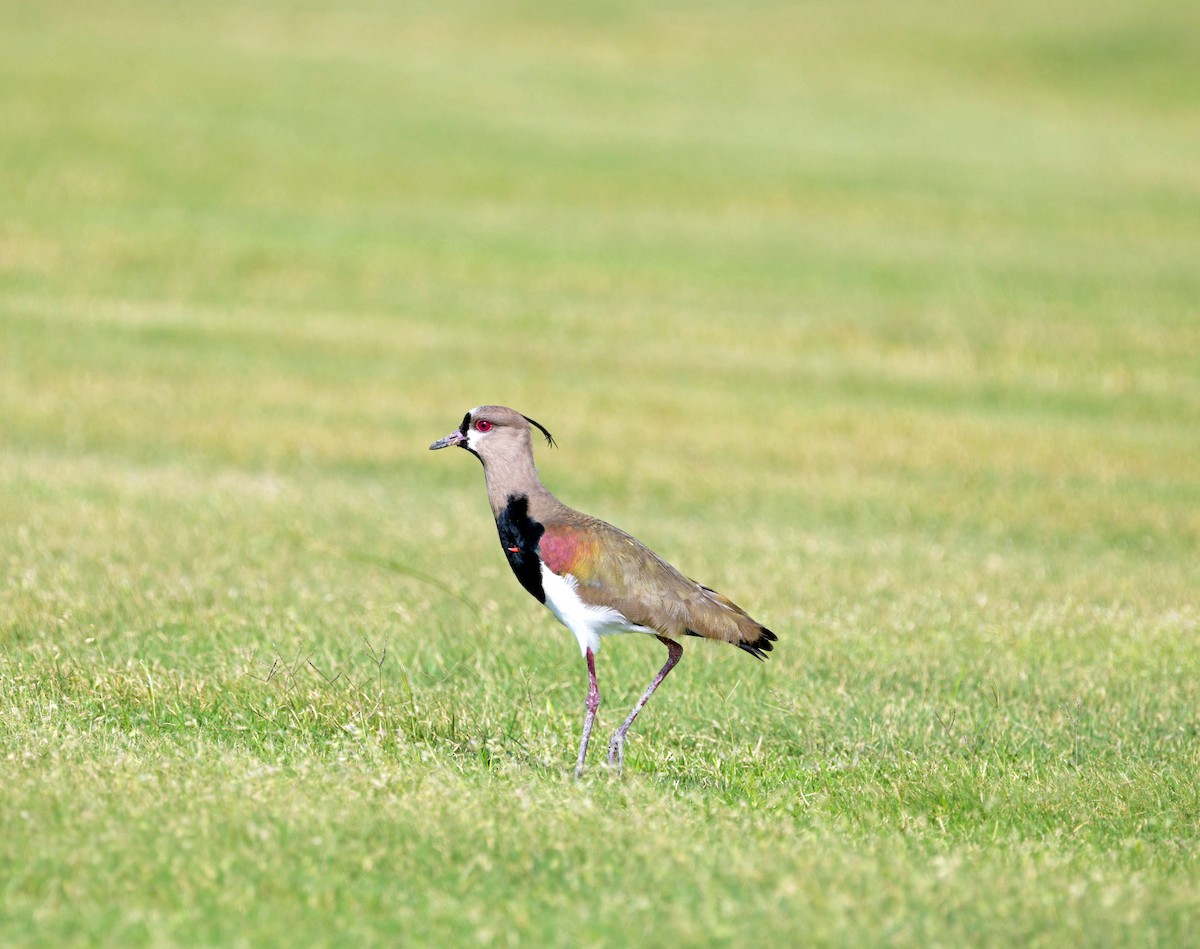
(882, 319)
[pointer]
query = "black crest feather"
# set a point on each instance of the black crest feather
(549, 438)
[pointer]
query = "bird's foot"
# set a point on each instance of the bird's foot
(616, 752)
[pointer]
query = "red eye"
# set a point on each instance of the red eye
(483, 425)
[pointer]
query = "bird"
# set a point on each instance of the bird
(596, 579)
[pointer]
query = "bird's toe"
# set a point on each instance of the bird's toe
(616, 752)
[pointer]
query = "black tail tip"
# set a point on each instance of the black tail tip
(761, 646)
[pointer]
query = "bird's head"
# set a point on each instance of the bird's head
(491, 432)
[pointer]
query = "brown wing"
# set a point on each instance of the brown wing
(616, 570)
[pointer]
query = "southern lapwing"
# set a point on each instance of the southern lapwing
(596, 579)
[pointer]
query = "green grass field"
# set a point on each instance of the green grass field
(883, 319)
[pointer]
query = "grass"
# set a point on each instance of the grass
(881, 319)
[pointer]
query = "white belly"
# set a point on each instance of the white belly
(587, 622)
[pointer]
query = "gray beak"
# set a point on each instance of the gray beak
(454, 438)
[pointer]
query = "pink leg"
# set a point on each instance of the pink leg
(593, 703)
(616, 747)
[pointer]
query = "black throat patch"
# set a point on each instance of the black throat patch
(519, 536)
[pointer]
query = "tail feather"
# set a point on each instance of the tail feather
(748, 634)
(759, 648)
